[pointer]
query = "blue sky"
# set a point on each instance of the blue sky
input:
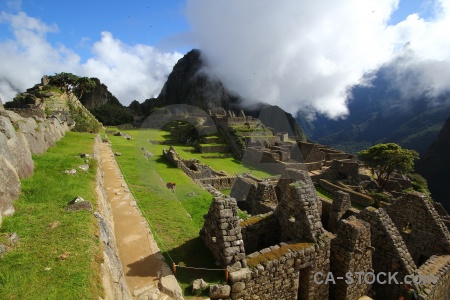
(131, 46)
(80, 23)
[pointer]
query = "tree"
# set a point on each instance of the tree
(72, 84)
(384, 159)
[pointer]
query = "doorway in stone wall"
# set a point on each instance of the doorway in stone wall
(305, 280)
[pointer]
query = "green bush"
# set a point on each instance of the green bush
(84, 120)
(419, 183)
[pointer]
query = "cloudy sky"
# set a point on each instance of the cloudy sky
(291, 53)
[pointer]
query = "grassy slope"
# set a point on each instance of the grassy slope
(176, 233)
(43, 201)
(230, 165)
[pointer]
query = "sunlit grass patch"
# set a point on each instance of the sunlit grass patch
(34, 268)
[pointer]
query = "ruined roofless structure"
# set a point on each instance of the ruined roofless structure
(278, 255)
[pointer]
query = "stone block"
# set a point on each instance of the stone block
(242, 275)
(219, 291)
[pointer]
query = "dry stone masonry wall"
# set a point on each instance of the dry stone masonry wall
(260, 232)
(351, 251)
(199, 172)
(421, 228)
(20, 138)
(390, 255)
(222, 234)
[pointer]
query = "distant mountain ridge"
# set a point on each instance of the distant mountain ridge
(377, 115)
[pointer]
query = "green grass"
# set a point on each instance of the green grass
(328, 195)
(323, 192)
(175, 218)
(44, 199)
(228, 164)
(213, 144)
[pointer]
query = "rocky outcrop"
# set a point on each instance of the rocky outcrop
(20, 138)
(189, 83)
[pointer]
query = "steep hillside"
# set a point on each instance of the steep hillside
(378, 115)
(188, 83)
(51, 99)
(105, 106)
(435, 166)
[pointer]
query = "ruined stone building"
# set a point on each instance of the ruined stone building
(199, 172)
(287, 253)
(296, 240)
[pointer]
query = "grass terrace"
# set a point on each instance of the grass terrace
(228, 164)
(58, 255)
(175, 218)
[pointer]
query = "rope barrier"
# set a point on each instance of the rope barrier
(174, 269)
(195, 268)
(152, 228)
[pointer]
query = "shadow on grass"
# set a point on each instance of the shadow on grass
(162, 160)
(195, 254)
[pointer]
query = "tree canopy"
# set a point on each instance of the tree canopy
(71, 83)
(384, 159)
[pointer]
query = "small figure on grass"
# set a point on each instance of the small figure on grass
(171, 186)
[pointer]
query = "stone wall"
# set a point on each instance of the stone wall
(254, 196)
(341, 203)
(298, 213)
(220, 183)
(324, 212)
(440, 210)
(283, 271)
(438, 266)
(390, 255)
(299, 206)
(198, 171)
(351, 252)
(342, 168)
(330, 156)
(421, 227)
(354, 196)
(20, 138)
(29, 112)
(213, 148)
(260, 232)
(310, 152)
(221, 233)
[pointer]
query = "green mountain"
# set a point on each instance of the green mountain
(105, 106)
(189, 84)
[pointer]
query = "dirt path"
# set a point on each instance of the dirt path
(145, 271)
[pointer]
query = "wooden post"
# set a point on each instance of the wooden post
(226, 274)
(174, 269)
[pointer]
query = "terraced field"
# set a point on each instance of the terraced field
(175, 217)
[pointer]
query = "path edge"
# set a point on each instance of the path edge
(113, 278)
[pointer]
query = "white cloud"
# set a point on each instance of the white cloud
(29, 56)
(299, 54)
(130, 72)
(423, 67)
